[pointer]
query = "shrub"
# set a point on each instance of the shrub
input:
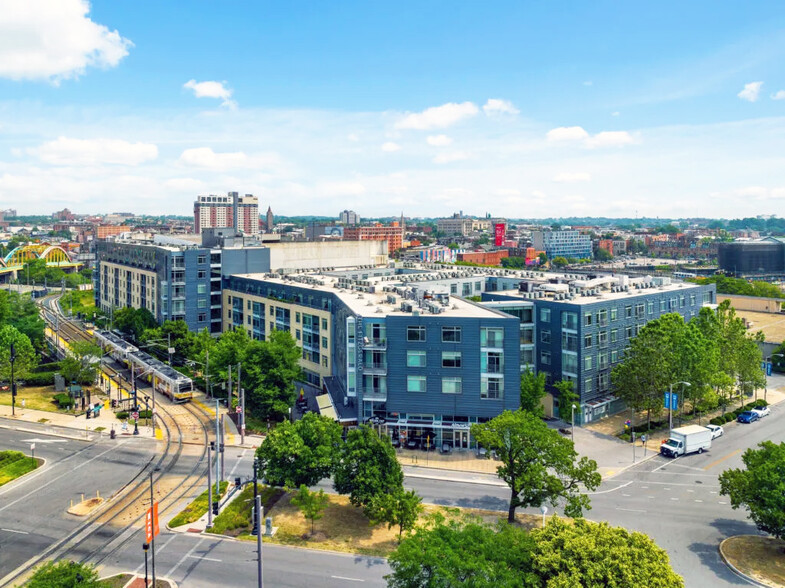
(47, 367)
(122, 415)
(731, 416)
(761, 403)
(40, 379)
(63, 400)
(717, 421)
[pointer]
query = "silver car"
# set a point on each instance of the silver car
(716, 431)
(762, 411)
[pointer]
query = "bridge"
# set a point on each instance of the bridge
(54, 255)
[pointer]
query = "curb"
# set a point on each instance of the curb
(47, 433)
(459, 480)
(736, 571)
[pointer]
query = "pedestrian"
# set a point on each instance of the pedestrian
(23, 402)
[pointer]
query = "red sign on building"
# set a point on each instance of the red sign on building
(500, 229)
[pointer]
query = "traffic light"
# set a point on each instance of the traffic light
(238, 482)
(215, 507)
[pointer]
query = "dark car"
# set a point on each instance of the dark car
(412, 444)
(748, 416)
(396, 442)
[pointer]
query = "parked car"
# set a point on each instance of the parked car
(396, 442)
(716, 431)
(748, 416)
(445, 449)
(762, 411)
(412, 444)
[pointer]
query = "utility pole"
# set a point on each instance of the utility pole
(13, 382)
(241, 394)
(209, 488)
(259, 571)
(217, 444)
(222, 454)
(169, 347)
(229, 390)
(152, 512)
(207, 371)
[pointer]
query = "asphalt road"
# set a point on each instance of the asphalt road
(33, 509)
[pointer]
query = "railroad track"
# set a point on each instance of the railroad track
(109, 527)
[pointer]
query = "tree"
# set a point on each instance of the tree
(603, 255)
(537, 463)
(559, 261)
(401, 508)
(311, 503)
(596, 555)
(567, 396)
(134, 321)
(81, 364)
(532, 392)
(464, 552)
(271, 368)
(760, 488)
(64, 574)
(367, 467)
(26, 357)
(303, 452)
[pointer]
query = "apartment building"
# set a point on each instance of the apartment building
(392, 234)
(565, 244)
(419, 365)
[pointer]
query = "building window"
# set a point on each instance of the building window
(639, 310)
(324, 342)
(569, 363)
(200, 259)
(545, 315)
(415, 383)
(451, 334)
(681, 301)
(201, 317)
(454, 289)
(297, 317)
(451, 359)
(587, 319)
(492, 388)
(324, 324)
(614, 314)
(477, 286)
(587, 386)
(569, 341)
(415, 358)
(467, 289)
(545, 357)
(324, 361)
(628, 332)
(602, 361)
(602, 317)
(452, 386)
(692, 299)
(569, 320)
(297, 334)
(492, 362)
(614, 356)
(490, 337)
(662, 305)
(650, 305)
(201, 274)
(272, 310)
(415, 333)
(587, 341)
(602, 339)
(587, 362)
(628, 311)
(202, 303)
(545, 336)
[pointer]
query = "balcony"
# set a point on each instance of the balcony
(375, 343)
(378, 368)
(375, 394)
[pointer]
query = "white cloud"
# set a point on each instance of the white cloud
(538, 194)
(205, 157)
(450, 157)
(570, 177)
(189, 185)
(760, 193)
(567, 134)
(354, 137)
(610, 139)
(615, 113)
(588, 83)
(750, 92)
(54, 40)
(390, 147)
(778, 95)
(438, 117)
(212, 89)
(439, 140)
(67, 151)
(350, 188)
(497, 106)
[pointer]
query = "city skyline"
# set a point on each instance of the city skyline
(519, 111)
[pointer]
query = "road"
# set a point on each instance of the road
(33, 509)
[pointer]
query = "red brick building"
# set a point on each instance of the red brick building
(484, 257)
(392, 234)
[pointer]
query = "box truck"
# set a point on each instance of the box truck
(687, 440)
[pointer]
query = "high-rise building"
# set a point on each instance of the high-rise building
(269, 220)
(349, 217)
(246, 213)
(235, 211)
(393, 235)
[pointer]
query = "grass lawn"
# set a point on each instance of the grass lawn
(235, 519)
(83, 301)
(37, 398)
(117, 581)
(762, 558)
(14, 464)
(344, 527)
(197, 509)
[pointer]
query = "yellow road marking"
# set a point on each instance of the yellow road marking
(720, 460)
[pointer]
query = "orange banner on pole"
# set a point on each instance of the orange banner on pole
(151, 528)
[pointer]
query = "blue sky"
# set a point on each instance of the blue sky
(514, 108)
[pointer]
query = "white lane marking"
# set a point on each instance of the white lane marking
(630, 509)
(349, 579)
(239, 459)
(690, 490)
(157, 550)
(36, 440)
(722, 502)
(204, 557)
(626, 495)
(667, 489)
(674, 498)
(15, 531)
(612, 489)
(68, 473)
(645, 487)
(171, 572)
(658, 468)
(698, 500)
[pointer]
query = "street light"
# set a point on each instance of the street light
(572, 430)
(670, 403)
(766, 389)
(12, 358)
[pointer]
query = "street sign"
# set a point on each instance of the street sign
(151, 528)
(32, 447)
(238, 409)
(135, 416)
(768, 368)
(667, 399)
(671, 400)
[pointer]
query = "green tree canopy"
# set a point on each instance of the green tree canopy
(466, 552)
(134, 321)
(596, 555)
(532, 392)
(537, 463)
(559, 261)
(367, 467)
(400, 508)
(303, 452)
(26, 357)
(760, 488)
(603, 255)
(64, 574)
(269, 370)
(81, 363)
(311, 503)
